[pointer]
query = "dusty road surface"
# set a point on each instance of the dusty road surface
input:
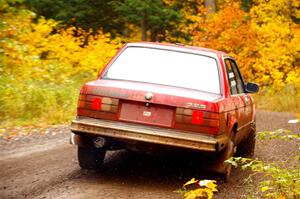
(45, 166)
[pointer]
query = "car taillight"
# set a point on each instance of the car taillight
(81, 101)
(198, 117)
(98, 103)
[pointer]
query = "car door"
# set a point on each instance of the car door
(238, 96)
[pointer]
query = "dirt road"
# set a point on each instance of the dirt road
(45, 166)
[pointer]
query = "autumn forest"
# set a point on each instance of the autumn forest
(48, 48)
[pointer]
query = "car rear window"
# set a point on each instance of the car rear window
(166, 67)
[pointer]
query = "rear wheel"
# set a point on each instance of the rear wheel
(222, 167)
(247, 147)
(227, 166)
(90, 158)
(229, 152)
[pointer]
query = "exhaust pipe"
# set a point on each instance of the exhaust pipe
(99, 142)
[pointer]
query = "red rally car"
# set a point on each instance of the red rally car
(155, 95)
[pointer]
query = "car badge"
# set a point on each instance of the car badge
(148, 96)
(195, 105)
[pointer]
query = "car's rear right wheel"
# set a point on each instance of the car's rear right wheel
(90, 158)
(227, 171)
(222, 167)
(247, 147)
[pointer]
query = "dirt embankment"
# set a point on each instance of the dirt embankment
(45, 166)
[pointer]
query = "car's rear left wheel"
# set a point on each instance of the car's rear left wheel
(90, 157)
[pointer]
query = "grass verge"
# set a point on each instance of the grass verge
(285, 100)
(37, 103)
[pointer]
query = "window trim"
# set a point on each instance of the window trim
(240, 75)
(238, 70)
(229, 78)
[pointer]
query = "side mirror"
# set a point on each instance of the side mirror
(251, 87)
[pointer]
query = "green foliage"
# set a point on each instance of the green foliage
(85, 14)
(36, 103)
(150, 15)
(42, 67)
(246, 5)
(277, 134)
(277, 181)
(281, 182)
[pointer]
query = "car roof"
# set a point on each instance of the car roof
(179, 47)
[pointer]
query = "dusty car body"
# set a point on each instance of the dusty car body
(169, 95)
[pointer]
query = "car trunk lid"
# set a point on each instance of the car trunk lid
(136, 91)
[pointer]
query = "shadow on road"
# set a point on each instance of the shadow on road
(175, 169)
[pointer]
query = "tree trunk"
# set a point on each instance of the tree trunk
(211, 5)
(144, 28)
(126, 30)
(153, 36)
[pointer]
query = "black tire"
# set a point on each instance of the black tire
(226, 176)
(246, 148)
(90, 158)
(228, 167)
(220, 166)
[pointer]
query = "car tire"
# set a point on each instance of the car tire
(90, 158)
(228, 166)
(222, 167)
(246, 148)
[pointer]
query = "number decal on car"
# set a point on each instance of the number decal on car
(195, 105)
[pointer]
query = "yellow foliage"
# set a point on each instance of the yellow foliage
(229, 30)
(264, 41)
(199, 189)
(276, 43)
(43, 66)
(42, 51)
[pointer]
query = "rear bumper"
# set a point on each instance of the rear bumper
(155, 135)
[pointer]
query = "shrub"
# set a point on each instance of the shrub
(42, 66)
(277, 181)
